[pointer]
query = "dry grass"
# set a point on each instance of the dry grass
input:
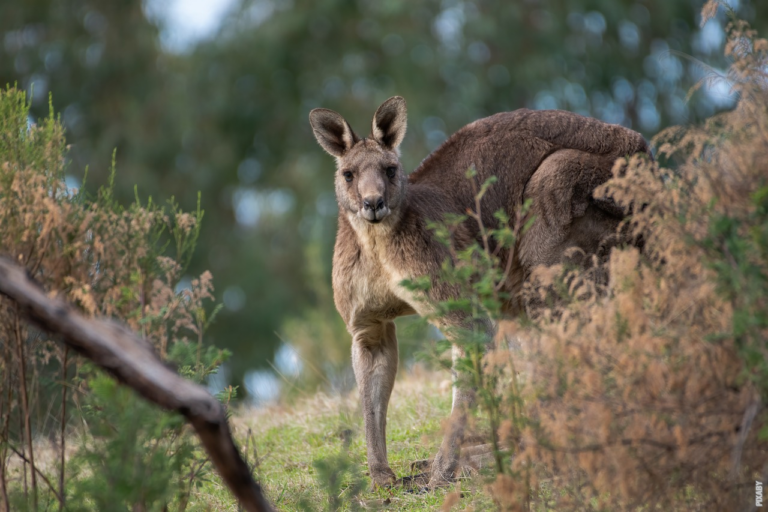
(415, 388)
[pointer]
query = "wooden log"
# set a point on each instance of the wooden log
(134, 362)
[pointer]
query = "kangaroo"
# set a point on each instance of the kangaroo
(553, 157)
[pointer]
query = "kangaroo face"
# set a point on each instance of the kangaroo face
(370, 182)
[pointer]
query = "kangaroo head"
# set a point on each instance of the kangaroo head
(370, 182)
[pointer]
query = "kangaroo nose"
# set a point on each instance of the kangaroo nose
(373, 203)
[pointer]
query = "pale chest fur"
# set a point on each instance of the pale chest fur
(367, 281)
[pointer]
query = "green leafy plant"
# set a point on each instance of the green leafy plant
(341, 480)
(134, 456)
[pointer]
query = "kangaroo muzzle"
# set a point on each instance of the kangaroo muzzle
(374, 209)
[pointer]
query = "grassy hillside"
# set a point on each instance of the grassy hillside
(301, 451)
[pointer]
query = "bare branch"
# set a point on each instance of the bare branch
(133, 361)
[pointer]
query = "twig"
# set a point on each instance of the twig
(511, 252)
(193, 471)
(5, 505)
(7, 426)
(746, 425)
(63, 426)
(133, 361)
(42, 475)
(25, 404)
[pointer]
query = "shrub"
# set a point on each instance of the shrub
(112, 261)
(645, 390)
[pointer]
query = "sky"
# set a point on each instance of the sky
(186, 22)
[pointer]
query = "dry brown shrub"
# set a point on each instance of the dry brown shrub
(108, 260)
(637, 394)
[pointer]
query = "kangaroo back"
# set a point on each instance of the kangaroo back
(511, 146)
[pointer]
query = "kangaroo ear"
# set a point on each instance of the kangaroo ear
(332, 131)
(389, 122)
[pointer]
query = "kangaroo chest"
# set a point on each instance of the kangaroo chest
(371, 284)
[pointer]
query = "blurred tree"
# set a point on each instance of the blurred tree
(229, 117)
(103, 63)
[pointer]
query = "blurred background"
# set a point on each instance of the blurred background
(213, 96)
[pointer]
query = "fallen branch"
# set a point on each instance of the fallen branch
(133, 361)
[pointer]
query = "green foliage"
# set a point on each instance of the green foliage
(341, 480)
(737, 246)
(477, 270)
(135, 456)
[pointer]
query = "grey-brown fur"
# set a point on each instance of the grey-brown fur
(555, 158)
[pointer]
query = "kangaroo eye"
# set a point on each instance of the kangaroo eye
(391, 171)
(347, 175)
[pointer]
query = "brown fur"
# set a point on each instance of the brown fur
(555, 158)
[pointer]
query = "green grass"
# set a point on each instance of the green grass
(289, 441)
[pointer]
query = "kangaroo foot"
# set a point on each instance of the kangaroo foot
(382, 476)
(474, 458)
(443, 470)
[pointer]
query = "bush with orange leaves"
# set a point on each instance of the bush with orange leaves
(649, 390)
(109, 261)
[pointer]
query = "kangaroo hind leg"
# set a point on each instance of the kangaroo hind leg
(566, 215)
(447, 462)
